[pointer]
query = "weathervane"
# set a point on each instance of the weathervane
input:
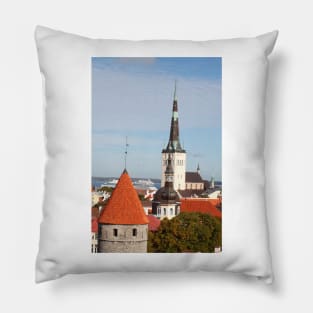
(126, 146)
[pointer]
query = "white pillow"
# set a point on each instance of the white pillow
(65, 64)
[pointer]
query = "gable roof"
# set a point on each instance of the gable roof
(124, 206)
(193, 177)
(189, 193)
(200, 206)
(146, 203)
(154, 223)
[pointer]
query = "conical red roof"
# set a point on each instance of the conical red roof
(124, 206)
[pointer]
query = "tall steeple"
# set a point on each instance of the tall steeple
(175, 97)
(174, 153)
(169, 173)
(174, 142)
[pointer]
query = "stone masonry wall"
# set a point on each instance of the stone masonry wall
(125, 241)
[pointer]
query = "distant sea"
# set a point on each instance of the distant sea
(139, 183)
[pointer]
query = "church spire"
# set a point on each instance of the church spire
(175, 96)
(174, 143)
(169, 173)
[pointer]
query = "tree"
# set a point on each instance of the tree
(187, 232)
(106, 189)
(141, 197)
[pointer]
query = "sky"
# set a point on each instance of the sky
(133, 97)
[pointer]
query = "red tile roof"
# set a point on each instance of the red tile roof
(214, 201)
(154, 223)
(94, 212)
(124, 206)
(199, 205)
(94, 225)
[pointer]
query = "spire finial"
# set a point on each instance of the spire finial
(175, 96)
(126, 146)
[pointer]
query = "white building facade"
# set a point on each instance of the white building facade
(179, 168)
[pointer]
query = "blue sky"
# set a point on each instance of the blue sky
(133, 97)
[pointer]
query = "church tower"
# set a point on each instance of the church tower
(174, 152)
(166, 202)
(123, 224)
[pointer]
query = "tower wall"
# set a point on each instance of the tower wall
(179, 167)
(168, 210)
(124, 241)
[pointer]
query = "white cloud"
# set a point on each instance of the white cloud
(139, 102)
(139, 106)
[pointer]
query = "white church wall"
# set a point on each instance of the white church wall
(179, 167)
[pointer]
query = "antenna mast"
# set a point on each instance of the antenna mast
(125, 156)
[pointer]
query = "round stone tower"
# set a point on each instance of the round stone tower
(123, 224)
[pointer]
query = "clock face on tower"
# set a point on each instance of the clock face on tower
(169, 178)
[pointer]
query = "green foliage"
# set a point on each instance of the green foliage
(106, 189)
(141, 197)
(187, 232)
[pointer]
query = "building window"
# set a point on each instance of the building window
(164, 211)
(134, 232)
(115, 232)
(159, 211)
(171, 211)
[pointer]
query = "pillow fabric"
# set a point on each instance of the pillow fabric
(66, 63)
